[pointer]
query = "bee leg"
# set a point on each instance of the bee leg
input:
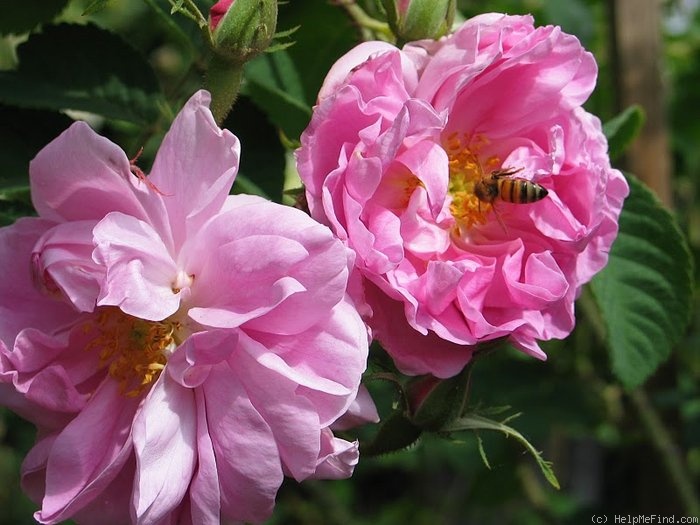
(498, 218)
(138, 172)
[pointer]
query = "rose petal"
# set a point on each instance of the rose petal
(247, 457)
(195, 167)
(140, 273)
(165, 446)
(83, 176)
(79, 469)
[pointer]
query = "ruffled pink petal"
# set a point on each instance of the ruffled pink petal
(194, 168)
(88, 454)
(338, 73)
(141, 276)
(361, 411)
(112, 505)
(205, 492)
(190, 365)
(542, 284)
(413, 352)
(338, 458)
(247, 457)
(292, 418)
(62, 259)
(24, 301)
(83, 176)
(165, 431)
(542, 74)
(256, 267)
(54, 375)
(34, 467)
(267, 265)
(326, 361)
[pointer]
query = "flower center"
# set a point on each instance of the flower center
(466, 170)
(134, 350)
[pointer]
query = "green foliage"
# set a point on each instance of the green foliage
(284, 84)
(645, 291)
(97, 72)
(623, 129)
(261, 170)
(95, 6)
(20, 16)
(272, 82)
(133, 70)
(22, 134)
(574, 16)
(442, 402)
(396, 432)
(478, 422)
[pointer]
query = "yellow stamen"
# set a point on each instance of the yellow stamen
(134, 351)
(466, 169)
(399, 183)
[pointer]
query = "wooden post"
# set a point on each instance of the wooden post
(639, 56)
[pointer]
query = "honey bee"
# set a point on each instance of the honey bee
(499, 184)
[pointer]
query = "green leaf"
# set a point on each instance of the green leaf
(623, 129)
(477, 422)
(482, 452)
(95, 6)
(20, 194)
(325, 33)
(272, 82)
(285, 84)
(83, 67)
(261, 170)
(645, 291)
(573, 16)
(15, 203)
(20, 16)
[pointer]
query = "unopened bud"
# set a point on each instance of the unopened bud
(419, 19)
(241, 29)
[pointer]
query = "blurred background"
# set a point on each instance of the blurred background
(602, 440)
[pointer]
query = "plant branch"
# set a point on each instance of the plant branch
(650, 419)
(670, 453)
(370, 27)
(189, 9)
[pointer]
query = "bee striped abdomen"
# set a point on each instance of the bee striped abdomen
(520, 191)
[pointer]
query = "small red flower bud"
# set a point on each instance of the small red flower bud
(217, 12)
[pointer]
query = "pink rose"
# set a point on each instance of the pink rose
(398, 143)
(179, 349)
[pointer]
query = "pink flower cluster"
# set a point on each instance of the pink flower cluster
(178, 349)
(398, 143)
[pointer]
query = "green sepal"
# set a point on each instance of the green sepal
(246, 30)
(434, 402)
(396, 433)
